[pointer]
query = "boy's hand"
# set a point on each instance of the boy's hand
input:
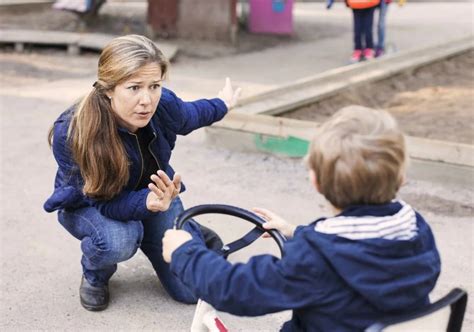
(163, 191)
(229, 95)
(172, 240)
(274, 221)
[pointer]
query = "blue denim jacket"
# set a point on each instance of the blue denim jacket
(173, 117)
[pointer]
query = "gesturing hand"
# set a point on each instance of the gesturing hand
(229, 95)
(163, 191)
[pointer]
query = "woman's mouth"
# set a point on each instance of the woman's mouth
(143, 114)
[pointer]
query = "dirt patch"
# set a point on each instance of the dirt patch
(439, 205)
(435, 101)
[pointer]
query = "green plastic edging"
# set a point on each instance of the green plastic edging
(290, 146)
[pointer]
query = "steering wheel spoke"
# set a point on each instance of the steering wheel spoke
(241, 243)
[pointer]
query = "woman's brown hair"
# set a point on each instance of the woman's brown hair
(93, 133)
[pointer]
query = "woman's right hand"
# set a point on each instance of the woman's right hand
(229, 95)
(162, 191)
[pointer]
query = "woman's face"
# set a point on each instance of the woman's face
(134, 101)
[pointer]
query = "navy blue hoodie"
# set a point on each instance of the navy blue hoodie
(337, 274)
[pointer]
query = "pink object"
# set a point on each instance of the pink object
(356, 56)
(368, 54)
(206, 319)
(220, 326)
(271, 16)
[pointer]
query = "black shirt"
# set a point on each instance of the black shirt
(149, 165)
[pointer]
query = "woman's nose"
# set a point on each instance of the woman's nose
(145, 98)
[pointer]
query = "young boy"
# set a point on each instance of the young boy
(375, 257)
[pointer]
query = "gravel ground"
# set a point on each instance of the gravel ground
(435, 101)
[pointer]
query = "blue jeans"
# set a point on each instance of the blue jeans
(363, 23)
(383, 7)
(106, 242)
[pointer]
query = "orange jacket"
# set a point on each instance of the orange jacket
(362, 4)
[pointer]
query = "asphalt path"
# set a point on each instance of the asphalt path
(40, 270)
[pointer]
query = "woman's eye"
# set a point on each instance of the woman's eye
(134, 87)
(155, 86)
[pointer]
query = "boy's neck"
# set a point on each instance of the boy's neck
(335, 210)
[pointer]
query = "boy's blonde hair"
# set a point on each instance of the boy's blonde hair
(358, 157)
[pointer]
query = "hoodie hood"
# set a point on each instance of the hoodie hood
(386, 253)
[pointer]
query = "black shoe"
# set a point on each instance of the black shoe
(93, 298)
(211, 239)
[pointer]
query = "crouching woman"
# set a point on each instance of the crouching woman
(114, 189)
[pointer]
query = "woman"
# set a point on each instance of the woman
(115, 190)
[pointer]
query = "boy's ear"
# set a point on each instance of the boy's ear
(314, 180)
(402, 180)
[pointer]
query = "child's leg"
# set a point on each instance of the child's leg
(367, 27)
(381, 25)
(357, 14)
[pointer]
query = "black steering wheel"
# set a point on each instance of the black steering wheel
(244, 241)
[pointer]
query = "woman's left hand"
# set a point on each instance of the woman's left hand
(229, 95)
(163, 191)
